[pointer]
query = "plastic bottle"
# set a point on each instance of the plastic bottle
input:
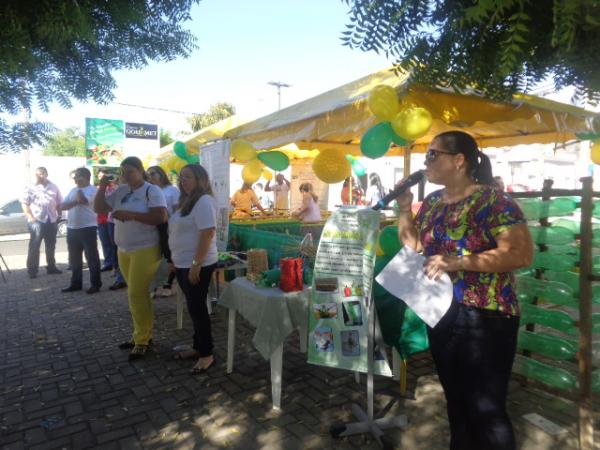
(552, 376)
(573, 225)
(551, 235)
(558, 320)
(529, 288)
(559, 263)
(530, 207)
(547, 345)
(561, 206)
(571, 279)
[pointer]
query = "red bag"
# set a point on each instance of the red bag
(291, 274)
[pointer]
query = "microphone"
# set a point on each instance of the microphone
(409, 182)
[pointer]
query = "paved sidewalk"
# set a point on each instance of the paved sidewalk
(64, 384)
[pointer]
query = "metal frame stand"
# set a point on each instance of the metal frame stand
(5, 265)
(366, 423)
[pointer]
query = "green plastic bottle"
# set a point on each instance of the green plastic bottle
(529, 288)
(561, 206)
(559, 320)
(552, 376)
(571, 279)
(565, 249)
(530, 207)
(560, 263)
(547, 345)
(551, 235)
(573, 225)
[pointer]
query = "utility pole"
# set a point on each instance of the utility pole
(279, 85)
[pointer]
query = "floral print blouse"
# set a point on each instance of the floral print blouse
(467, 227)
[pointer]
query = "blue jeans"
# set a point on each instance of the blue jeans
(105, 241)
(195, 296)
(114, 255)
(473, 350)
(39, 231)
(79, 241)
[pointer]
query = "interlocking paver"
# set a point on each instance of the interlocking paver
(64, 383)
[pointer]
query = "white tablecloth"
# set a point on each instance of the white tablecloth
(274, 313)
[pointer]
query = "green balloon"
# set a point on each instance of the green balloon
(552, 376)
(388, 240)
(587, 136)
(399, 141)
(193, 159)
(180, 150)
(274, 160)
(358, 169)
(376, 141)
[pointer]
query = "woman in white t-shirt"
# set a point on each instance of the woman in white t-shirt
(309, 211)
(137, 207)
(192, 231)
(158, 177)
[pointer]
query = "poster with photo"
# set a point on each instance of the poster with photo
(215, 159)
(342, 282)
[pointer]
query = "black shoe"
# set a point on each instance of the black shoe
(105, 268)
(92, 290)
(118, 285)
(128, 345)
(53, 271)
(70, 289)
(138, 352)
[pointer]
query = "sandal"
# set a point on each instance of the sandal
(187, 354)
(197, 370)
(128, 345)
(138, 352)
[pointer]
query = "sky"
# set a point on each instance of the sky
(242, 45)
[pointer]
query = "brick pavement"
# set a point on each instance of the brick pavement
(64, 384)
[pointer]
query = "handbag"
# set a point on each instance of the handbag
(163, 235)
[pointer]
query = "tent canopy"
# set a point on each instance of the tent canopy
(338, 118)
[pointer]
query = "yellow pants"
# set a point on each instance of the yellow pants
(138, 269)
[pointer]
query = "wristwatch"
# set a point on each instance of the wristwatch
(195, 263)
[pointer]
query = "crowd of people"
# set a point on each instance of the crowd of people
(470, 229)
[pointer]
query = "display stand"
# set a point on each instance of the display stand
(366, 422)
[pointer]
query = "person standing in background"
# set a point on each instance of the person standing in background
(243, 200)
(375, 191)
(281, 190)
(158, 177)
(82, 234)
(309, 210)
(104, 232)
(41, 204)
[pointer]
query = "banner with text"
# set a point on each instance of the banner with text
(341, 292)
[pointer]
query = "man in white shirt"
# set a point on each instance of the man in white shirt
(42, 206)
(82, 234)
(281, 190)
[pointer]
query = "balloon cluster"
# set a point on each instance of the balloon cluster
(181, 157)
(256, 163)
(399, 125)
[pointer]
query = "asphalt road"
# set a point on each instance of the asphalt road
(18, 245)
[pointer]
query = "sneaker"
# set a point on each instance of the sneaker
(164, 292)
(118, 285)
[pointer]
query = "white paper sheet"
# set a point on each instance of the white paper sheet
(405, 279)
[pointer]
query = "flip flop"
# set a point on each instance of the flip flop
(198, 370)
(187, 354)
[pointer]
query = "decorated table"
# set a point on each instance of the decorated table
(274, 314)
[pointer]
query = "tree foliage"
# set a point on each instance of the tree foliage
(165, 138)
(52, 51)
(69, 142)
(215, 113)
(495, 46)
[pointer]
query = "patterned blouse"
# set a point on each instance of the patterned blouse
(467, 227)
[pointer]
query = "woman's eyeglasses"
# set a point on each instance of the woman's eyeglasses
(432, 154)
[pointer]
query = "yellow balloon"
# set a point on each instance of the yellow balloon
(242, 150)
(331, 166)
(252, 171)
(595, 152)
(267, 174)
(383, 102)
(179, 164)
(412, 123)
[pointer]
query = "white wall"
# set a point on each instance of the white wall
(17, 171)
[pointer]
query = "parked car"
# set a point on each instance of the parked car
(13, 220)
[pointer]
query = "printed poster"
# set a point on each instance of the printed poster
(341, 293)
(109, 141)
(215, 159)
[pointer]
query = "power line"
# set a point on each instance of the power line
(155, 108)
(279, 85)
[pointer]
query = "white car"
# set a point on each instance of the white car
(13, 220)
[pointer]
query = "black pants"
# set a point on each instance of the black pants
(195, 296)
(83, 240)
(39, 231)
(473, 351)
